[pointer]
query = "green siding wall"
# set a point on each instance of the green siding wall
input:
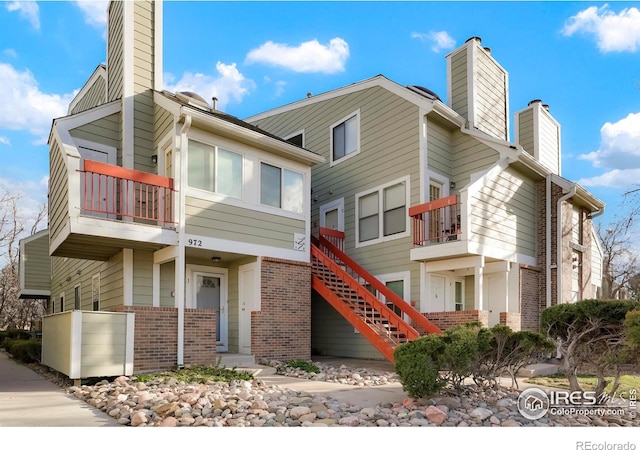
(115, 62)
(104, 131)
(233, 223)
(58, 190)
(37, 264)
(94, 96)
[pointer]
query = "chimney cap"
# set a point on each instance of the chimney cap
(537, 100)
(474, 38)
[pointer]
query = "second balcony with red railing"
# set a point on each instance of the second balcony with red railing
(437, 221)
(118, 193)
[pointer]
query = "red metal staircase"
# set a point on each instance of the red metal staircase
(361, 298)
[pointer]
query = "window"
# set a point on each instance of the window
(281, 188)
(458, 295)
(76, 297)
(95, 292)
(382, 213)
(62, 302)
(296, 139)
(345, 139)
(214, 169)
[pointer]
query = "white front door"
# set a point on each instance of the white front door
(332, 215)
(438, 300)
(495, 296)
(249, 300)
(210, 292)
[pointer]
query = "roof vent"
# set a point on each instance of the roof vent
(425, 92)
(193, 99)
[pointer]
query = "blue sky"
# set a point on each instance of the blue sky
(581, 58)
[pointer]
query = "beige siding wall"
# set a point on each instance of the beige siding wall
(115, 61)
(56, 339)
(163, 124)
(37, 264)
(69, 272)
(501, 212)
(469, 156)
(526, 135)
(549, 143)
(100, 356)
(143, 73)
(104, 131)
(490, 103)
(439, 149)
(142, 278)
(58, 190)
(459, 100)
(94, 96)
(218, 220)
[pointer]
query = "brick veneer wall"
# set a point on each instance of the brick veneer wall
(511, 319)
(448, 319)
(529, 299)
(155, 344)
(282, 327)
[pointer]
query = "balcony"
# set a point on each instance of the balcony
(97, 209)
(436, 222)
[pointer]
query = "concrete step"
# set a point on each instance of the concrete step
(230, 360)
(538, 370)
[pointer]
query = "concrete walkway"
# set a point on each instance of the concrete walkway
(29, 400)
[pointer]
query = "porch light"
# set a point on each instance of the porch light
(154, 159)
(216, 259)
(452, 185)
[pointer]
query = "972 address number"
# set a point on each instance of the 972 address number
(195, 242)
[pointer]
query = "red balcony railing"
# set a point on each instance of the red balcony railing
(436, 221)
(335, 237)
(116, 192)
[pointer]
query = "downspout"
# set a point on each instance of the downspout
(180, 295)
(548, 240)
(562, 199)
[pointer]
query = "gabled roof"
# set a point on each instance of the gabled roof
(418, 95)
(99, 72)
(239, 127)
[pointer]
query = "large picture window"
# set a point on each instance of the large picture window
(345, 140)
(214, 169)
(382, 213)
(281, 188)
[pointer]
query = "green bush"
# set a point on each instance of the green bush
(27, 351)
(302, 365)
(417, 365)
(428, 364)
(14, 334)
(632, 324)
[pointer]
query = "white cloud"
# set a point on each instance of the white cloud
(10, 52)
(614, 32)
(94, 11)
(619, 152)
(28, 10)
(5, 140)
(308, 57)
(25, 106)
(228, 85)
(441, 40)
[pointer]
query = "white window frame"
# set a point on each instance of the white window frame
(77, 303)
(300, 132)
(380, 189)
(282, 169)
(216, 149)
(333, 161)
(93, 292)
(460, 280)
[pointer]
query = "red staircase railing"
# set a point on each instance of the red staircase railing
(436, 221)
(377, 288)
(371, 317)
(119, 192)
